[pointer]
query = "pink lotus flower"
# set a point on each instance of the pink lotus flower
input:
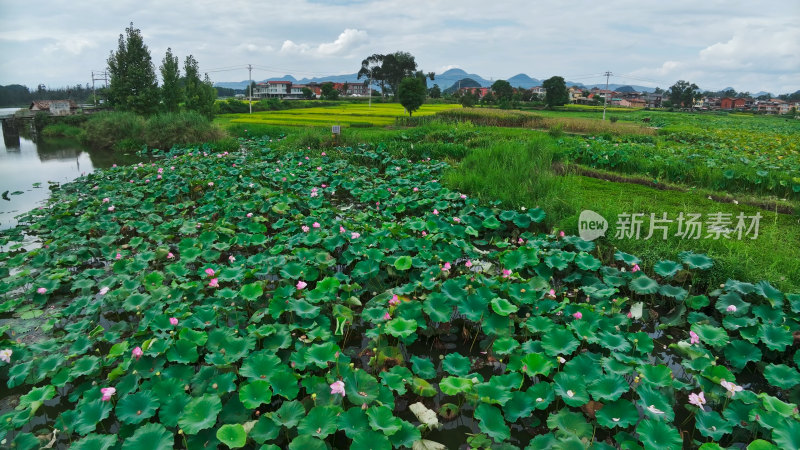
(520, 241)
(5, 355)
(731, 387)
(341, 229)
(394, 301)
(170, 255)
(213, 283)
(211, 183)
(694, 338)
(416, 189)
(249, 214)
(456, 220)
(106, 200)
(468, 263)
(463, 196)
(630, 316)
(160, 170)
(337, 387)
(731, 308)
(111, 208)
(41, 290)
(447, 266)
(113, 165)
(119, 256)
(159, 176)
(387, 316)
(323, 154)
(355, 235)
(137, 353)
(424, 233)
(231, 258)
(506, 273)
(561, 234)
(436, 212)
(552, 293)
(319, 168)
(173, 321)
(210, 272)
(301, 284)
(578, 315)
(315, 225)
(635, 268)
(697, 399)
(107, 393)
(104, 290)
(305, 229)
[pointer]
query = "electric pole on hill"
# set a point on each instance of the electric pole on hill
(605, 97)
(250, 86)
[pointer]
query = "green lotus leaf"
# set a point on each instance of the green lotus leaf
(232, 435)
(284, 383)
(787, 435)
(515, 260)
(406, 437)
(559, 341)
(423, 367)
(253, 394)
(782, 376)
(361, 387)
(711, 424)
(675, 292)
(134, 408)
(626, 258)
(353, 422)
(403, 263)
(644, 285)
(260, 365)
(371, 440)
(396, 379)
(422, 387)
(697, 302)
(97, 442)
(696, 260)
(493, 392)
(519, 406)
(320, 422)
(657, 435)
(321, 354)
(620, 413)
(455, 385)
(90, 414)
(200, 413)
(151, 435)
(607, 388)
(614, 342)
(438, 307)
(760, 444)
(252, 291)
(136, 302)
(305, 442)
(383, 420)
(492, 422)
(289, 414)
(711, 335)
(571, 388)
(656, 375)
(505, 345)
(36, 398)
(731, 301)
(400, 327)
(304, 309)
(503, 307)
(775, 337)
(456, 364)
(534, 364)
(667, 268)
(183, 351)
(655, 403)
(585, 261)
(570, 423)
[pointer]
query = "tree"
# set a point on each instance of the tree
(390, 70)
(132, 85)
(200, 94)
(329, 92)
(371, 69)
(502, 90)
(683, 94)
(171, 91)
(435, 91)
(556, 91)
(308, 94)
(411, 92)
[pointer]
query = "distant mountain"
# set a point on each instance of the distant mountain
(463, 83)
(626, 89)
(350, 78)
(523, 81)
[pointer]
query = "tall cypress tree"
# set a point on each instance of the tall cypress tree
(133, 85)
(171, 90)
(200, 95)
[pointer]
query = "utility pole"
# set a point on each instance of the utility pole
(250, 86)
(605, 97)
(369, 86)
(98, 76)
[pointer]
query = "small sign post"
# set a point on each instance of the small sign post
(336, 130)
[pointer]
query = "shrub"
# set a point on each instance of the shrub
(163, 131)
(105, 130)
(62, 130)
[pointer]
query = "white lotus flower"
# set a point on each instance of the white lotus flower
(654, 410)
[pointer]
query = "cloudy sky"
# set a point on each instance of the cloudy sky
(748, 45)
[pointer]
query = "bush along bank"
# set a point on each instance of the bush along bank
(299, 299)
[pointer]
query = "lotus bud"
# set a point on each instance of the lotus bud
(441, 356)
(352, 365)
(364, 406)
(314, 396)
(180, 431)
(215, 385)
(158, 374)
(134, 371)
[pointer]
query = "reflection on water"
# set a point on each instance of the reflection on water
(29, 164)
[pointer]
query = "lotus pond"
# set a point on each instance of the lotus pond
(305, 300)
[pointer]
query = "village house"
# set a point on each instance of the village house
(538, 90)
(272, 89)
(728, 103)
(54, 107)
(653, 100)
(480, 92)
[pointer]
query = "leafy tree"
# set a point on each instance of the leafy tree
(435, 91)
(200, 94)
(411, 92)
(556, 94)
(329, 92)
(372, 70)
(389, 70)
(683, 94)
(132, 85)
(171, 90)
(308, 94)
(502, 90)
(468, 100)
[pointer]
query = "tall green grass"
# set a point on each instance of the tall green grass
(108, 130)
(127, 131)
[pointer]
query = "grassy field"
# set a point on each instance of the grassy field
(379, 114)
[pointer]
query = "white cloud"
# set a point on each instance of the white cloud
(349, 40)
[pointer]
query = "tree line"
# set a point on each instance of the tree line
(133, 85)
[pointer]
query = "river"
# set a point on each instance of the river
(30, 164)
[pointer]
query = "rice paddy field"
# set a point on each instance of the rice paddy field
(379, 114)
